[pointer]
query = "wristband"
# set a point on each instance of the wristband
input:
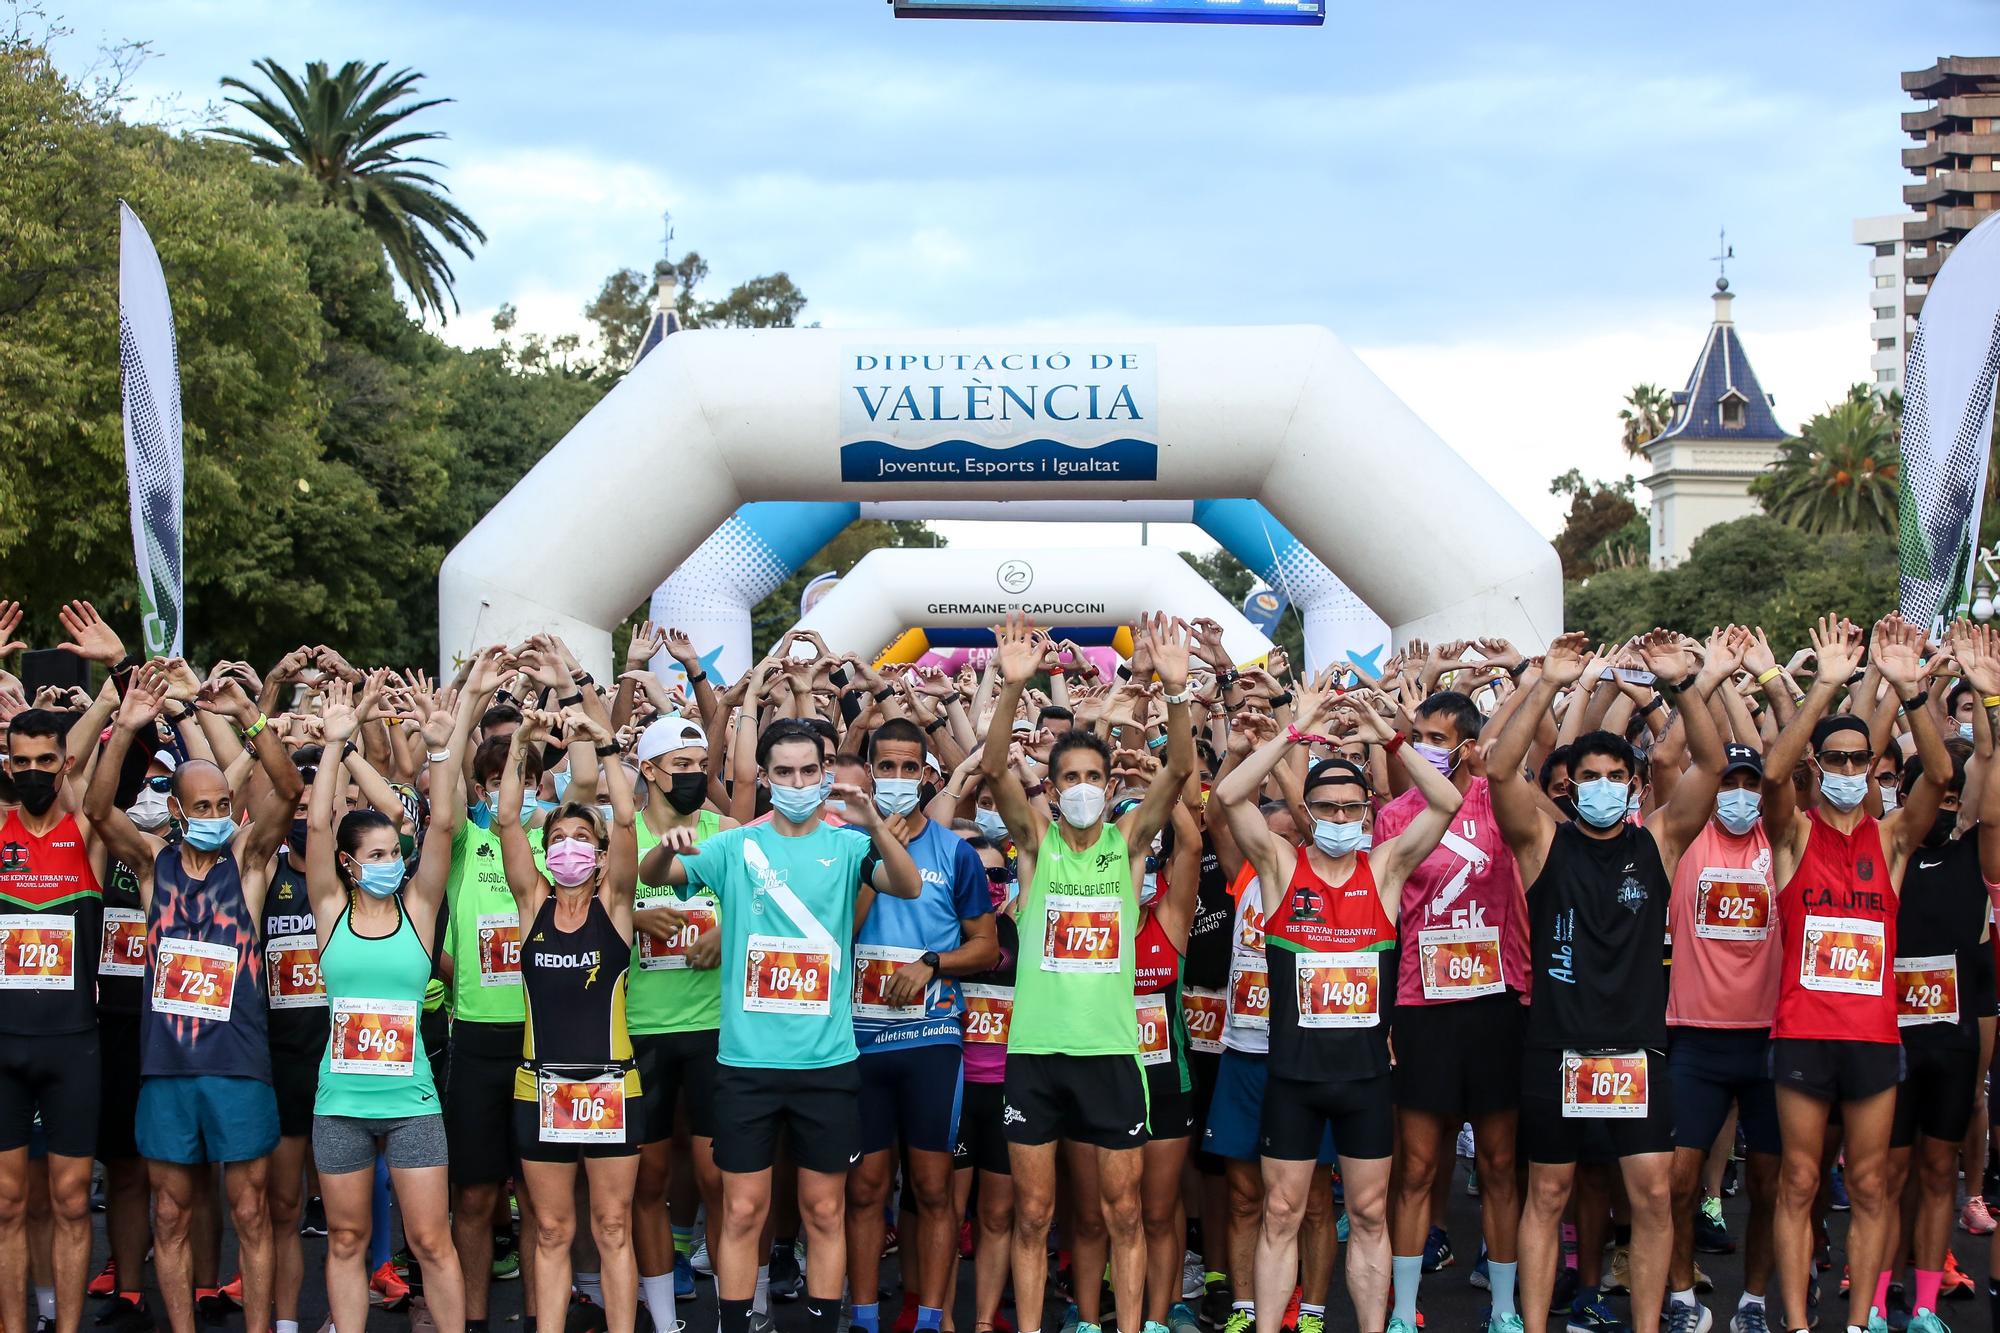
(1395, 743)
(1181, 698)
(884, 694)
(838, 676)
(1990, 701)
(1766, 677)
(584, 678)
(935, 723)
(249, 733)
(1124, 672)
(568, 700)
(438, 756)
(607, 750)
(694, 677)
(1281, 700)
(1656, 702)
(1037, 789)
(1917, 700)
(1518, 667)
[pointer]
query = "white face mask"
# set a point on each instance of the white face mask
(149, 811)
(1082, 805)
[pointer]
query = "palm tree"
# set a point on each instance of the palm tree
(337, 128)
(1840, 474)
(1648, 411)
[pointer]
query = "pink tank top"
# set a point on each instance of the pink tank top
(1724, 921)
(1464, 901)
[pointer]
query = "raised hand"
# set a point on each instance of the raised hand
(1757, 654)
(1136, 768)
(1207, 644)
(1897, 652)
(647, 640)
(440, 719)
(225, 698)
(1365, 711)
(1171, 646)
(10, 624)
(332, 662)
(182, 683)
(1499, 652)
(577, 724)
(339, 717)
(89, 637)
(1666, 656)
(1016, 651)
(1312, 701)
(1725, 650)
(145, 696)
(681, 648)
(1836, 648)
(1565, 660)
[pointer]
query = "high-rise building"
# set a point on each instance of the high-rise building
(1882, 238)
(1957, 162)
(1722, 436)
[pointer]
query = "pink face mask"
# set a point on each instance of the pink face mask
(572, 861)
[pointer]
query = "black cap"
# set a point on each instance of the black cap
(1735, 756)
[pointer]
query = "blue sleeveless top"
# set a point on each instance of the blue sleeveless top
(204, 1003)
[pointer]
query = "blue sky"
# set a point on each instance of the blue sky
(1508, 210)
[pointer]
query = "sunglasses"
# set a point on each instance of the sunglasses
(164, 782)
(999, 875)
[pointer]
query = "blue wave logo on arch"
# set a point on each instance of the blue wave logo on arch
(1030, 460)
(1032, 411)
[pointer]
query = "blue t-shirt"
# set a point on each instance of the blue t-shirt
(954, 891)
(787, 917)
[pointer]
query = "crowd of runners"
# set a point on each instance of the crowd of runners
(1148, 994)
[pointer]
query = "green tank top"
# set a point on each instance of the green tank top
(375, 1067)
(663, 994)
(1073, 981)
(484, 932)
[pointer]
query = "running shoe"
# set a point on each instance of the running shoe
(1180, 1319)
(683, 1278)
(127, 1310)
(906, 1317)
(1072, 1321)
(1311, 1323)
(1838, 1189)
(1480, 1277)
(1957, 1285)
(1976, 1218)
(1151, 1327)
(1398, 1326)
(1926, 1321)
(1732, 1180)
(1464, 1147)
(506, 1258)
(1506, 1323)
(1591, 1313)
(1437, 1250)
(1750, 1319)
(1341, 1228)
(106, 1281)
(891, 1242)
(787, 1281)
(44, 1324)
(232, 1292)
(386, 1289)
(1563, 1294)
(1812, 1303)
(212, 1306)
(1216, 1302)
(698, 1261)
(1472, 1182)
(1244, 1321)
(1618, 1278)
(1846, 1279)
(1876, 1323)
(1194, 1277)
(1694, 1318)
(1711, 1233)
(312, 1222)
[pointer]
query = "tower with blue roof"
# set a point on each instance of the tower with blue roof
(1722, 436)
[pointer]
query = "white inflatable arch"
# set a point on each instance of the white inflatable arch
(716, 418)
(892, 589)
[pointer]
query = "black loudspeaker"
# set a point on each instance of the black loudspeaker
(53, 666)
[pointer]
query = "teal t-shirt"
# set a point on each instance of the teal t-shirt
(787, 920)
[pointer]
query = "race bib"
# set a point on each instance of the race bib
(1604, 1087)
(787, 976)
(194, 979)
(1460, 964)
(122, 952)
(671, 953)
(989, 1011)
(292, 972)
(874, 965)
(1338, 990)
(37, 952)
(581, 1106)
(373, 1037)
(1202, 1011)
(1082, 933)
(500, 949)
(1250, 998)
(1927, 990)
(1843, 954)
(1731, 904)
(1155, 1037)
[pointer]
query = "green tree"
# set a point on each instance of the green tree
(1235, 580)
(346, 131)
(1840, 474)
(1648, 411)
(623, 307)
(770, 618)
(1605, 528)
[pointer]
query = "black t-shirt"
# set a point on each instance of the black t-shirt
(296, 1031)
(1206, 963)
(1940, 910)
(1597, 922)
(116, 993)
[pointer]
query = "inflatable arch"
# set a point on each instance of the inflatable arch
(715, 418)
(761, 545)
(869, 611)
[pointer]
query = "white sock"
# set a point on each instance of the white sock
(659, 1296)
(1749, 1300)
(1685, 1298)
(760, 1303)
(45, 1302)
(591, 1285)
(285, 1326)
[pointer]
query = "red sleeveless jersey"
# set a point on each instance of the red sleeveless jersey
(1156, 965)
(1838, 915)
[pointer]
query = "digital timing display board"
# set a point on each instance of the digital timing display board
(1306, 12)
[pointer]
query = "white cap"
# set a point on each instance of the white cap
(165, 759)
(667, 735)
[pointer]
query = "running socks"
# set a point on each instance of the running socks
(1685, 1298)
(1928, 1282)
(929, 1318)
(1500, 1278)
(1406, 1272)
(823, 1314)
(683, 1242)
(868, 1317)
(1882, 1290)
(733, 1317)
(658, 1293)
(761, 1302)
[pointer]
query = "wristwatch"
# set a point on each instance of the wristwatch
(929, 959)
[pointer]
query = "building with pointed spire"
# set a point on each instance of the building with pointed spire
(666, 319)
(1722, 436)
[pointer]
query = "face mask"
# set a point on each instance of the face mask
(1367, 842)
(1082, 805)
(35, 790)
(149, 812)
(1739, 810)
(798, 803)
(607, 814)
(1889, 797)
(1441, 759)
(1843, 791)
(1149, 888)
(1941, 828)
(561, 783)
(1632, 806)
(1566, 804)
(1602, 802)
(991, 824)
(210, 835)
(297, 837)
(381, 879)
(826, 786)
(1339, 839)
(896, 796)
(1965, 732)
(686, 791)
(572, 861)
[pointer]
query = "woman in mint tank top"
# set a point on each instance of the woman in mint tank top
(374, 922)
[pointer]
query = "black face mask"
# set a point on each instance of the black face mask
(35, 790)
(296, 839)
(1566, 804)
(686, 791)
(1941, 828)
